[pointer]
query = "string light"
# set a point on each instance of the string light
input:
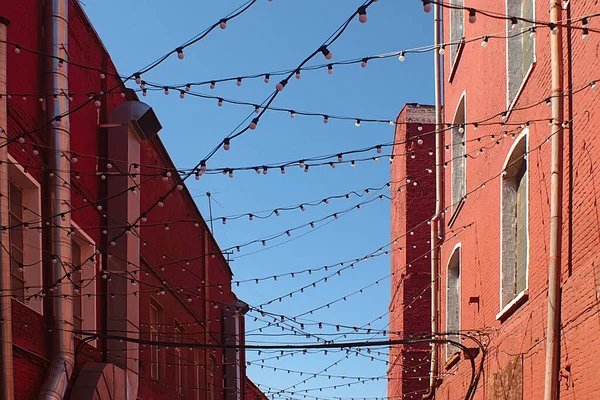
(427, 6)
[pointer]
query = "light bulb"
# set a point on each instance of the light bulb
(328, 55)
(532, 32)
(357, 123)
(143, 85)
(188, 87)
(325, 119)
(231, 173)
(239, 82)
(97, 103)
(138, 79)
(180, 54)
(593, 86)
(282, 173)
(298, 75)
(267, 78)
(484, 44)
(352, 164)
(419, 141)
(378, 149)
(220, 102)
(223, 24)
(472, 15)
(586, 34)
(553, 28)
(402, 56)
(224, 220)
(265, 170)
(253, 123)
(514, 23)
(427, 6)
(442, 50)
(332, 164)
(461, 130)
(226, 144)
(35, 151)
(292, 114)
(144, 92)
(330, 69)
(213, 84)
(161, 204)
(256, 109)
(166, 91)
(362, 14)
(340, 158)
(181, 94)
(280, 85)
(364, 63)
(144, 218)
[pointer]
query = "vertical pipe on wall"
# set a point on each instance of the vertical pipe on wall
(556, 194)
(57, 106)
(6, 350)
(439, 199)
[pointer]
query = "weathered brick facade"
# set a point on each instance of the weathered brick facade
(208, 316)
(516, 337)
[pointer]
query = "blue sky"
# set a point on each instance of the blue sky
(272, 36)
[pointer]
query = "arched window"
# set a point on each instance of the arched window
(453, 301)
(459, 162)
(514, 223)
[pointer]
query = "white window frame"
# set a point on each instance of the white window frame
(88, 276)
(522, 296)
(455, 207)
(454, 60)
(32, 238)
(510, 104)
(451, 350)
(155, 355)
(180, 371)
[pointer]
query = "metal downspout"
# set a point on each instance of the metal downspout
(6, 350)
(56, 34)
(436, 221)
(556, 194)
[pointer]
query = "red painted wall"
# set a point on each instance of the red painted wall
(481, 73)
(208, 306)
(412, 207)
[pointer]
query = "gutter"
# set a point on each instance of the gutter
(6, 349)
(56, 33)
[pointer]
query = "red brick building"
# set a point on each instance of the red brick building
(413, 204)
(90, 198)
(494, 279)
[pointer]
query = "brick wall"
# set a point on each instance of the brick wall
(412, 206)
(481, 74)
(208, 308)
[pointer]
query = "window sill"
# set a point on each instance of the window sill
(513, 103)
(28, 305)
(513, 305)
(452, 361)
(456, 212)
(454, 65)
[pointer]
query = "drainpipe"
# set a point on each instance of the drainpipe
(6, 350)
(556, 194)
(436, 221)
(56, 33)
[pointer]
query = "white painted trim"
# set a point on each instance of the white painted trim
(457, 247)
(510, 104)
(512, 305)
(462, 99)
(523, 135)
(33, 237)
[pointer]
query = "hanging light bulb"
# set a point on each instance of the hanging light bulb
(181, 94)
(298, 75)
(213, 84)
(188, 87)
(166, 90)
(281, 85)
(282, 170)
(330, 69)
(180, 53)
(97, 103)
(231, 173)
(357, 123)
(265, 170)
(484, 43)
(256, 109)
(267, 78)
(363, 63)
(332, 164)
(224, 220)
(553, 28)
(585, 34)
(378, 149)
(292, 114)
(472, 15)
(325, 119)
(593, 86)
(253, 123)
(220, 102)
(144, 92)
(226, 144)
(514, 23)
(442, 50)
(352, 164)
(340, 158)
(427, 6)
(326, 53)
(402, 56)
(223, 24)
(138, 78)
(533, 32)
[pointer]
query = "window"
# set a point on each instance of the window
(520, 48)
(457, 30)
(198, 375)
(515, 240)
(179, 361)
(25, 244)
(83, 271)
(155, 319)
(459, 161)
(15, 239)
(211, 378)
(453, 301)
